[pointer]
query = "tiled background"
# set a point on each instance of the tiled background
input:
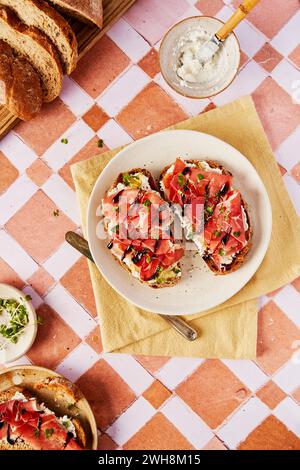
(117, 94)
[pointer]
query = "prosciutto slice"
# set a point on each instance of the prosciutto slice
(42, 431)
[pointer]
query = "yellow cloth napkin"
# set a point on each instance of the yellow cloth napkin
(230, 330)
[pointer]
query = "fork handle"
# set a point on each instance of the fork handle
(241, 12)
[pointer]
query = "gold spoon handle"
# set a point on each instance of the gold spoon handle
(182, 327)
(242, 11)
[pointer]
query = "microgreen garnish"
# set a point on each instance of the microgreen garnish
(17, 321)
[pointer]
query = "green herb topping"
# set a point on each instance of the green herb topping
(236, 234)
(217, 233)
(49, 432)
(181, 179)
(147, 203)
(209, 210)
(222, 252)
(114, 229)
(126, 179)
(64, 141)
(200, 177)
(18, 319)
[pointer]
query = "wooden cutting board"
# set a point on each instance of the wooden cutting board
(87, 36)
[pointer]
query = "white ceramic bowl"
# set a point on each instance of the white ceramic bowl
(169, 56)
(200, 290)
(26, 339)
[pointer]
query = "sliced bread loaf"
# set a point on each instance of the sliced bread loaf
(88, 11)
(39, 14)
(34, 46)
(20, 86)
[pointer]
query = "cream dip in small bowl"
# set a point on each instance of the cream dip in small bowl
(184, 72)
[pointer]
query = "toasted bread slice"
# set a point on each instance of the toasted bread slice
(31, 44)
(88, 11)
(135, 179)
(65, 393)
(20, 86)
(240, 257)
(39, 14)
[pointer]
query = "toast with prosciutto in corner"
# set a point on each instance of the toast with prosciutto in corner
(28, 424)
(225, 236)
(137, 221)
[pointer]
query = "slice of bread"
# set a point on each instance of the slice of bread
(20, 85)
(88, 11)
(31, 44)
(64, 392)
(39, 14)
(240, 258)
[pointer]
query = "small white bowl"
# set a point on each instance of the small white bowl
(169, 57)
(26, 339)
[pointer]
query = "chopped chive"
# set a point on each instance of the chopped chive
(217, 233)
(64, 141)
(181, 179)
(49, 432)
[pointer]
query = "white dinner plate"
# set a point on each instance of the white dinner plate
(199, 289)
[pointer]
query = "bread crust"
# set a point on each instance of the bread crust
(60, 22)
(88, 11)
(22, 92)
(240, 258)
(153, 186)
(12, 21)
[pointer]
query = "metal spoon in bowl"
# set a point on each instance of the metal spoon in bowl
(210, 47)
(81, 245)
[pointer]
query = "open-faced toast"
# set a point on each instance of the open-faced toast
(224, 238)
(26, 423)
(137, 221)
